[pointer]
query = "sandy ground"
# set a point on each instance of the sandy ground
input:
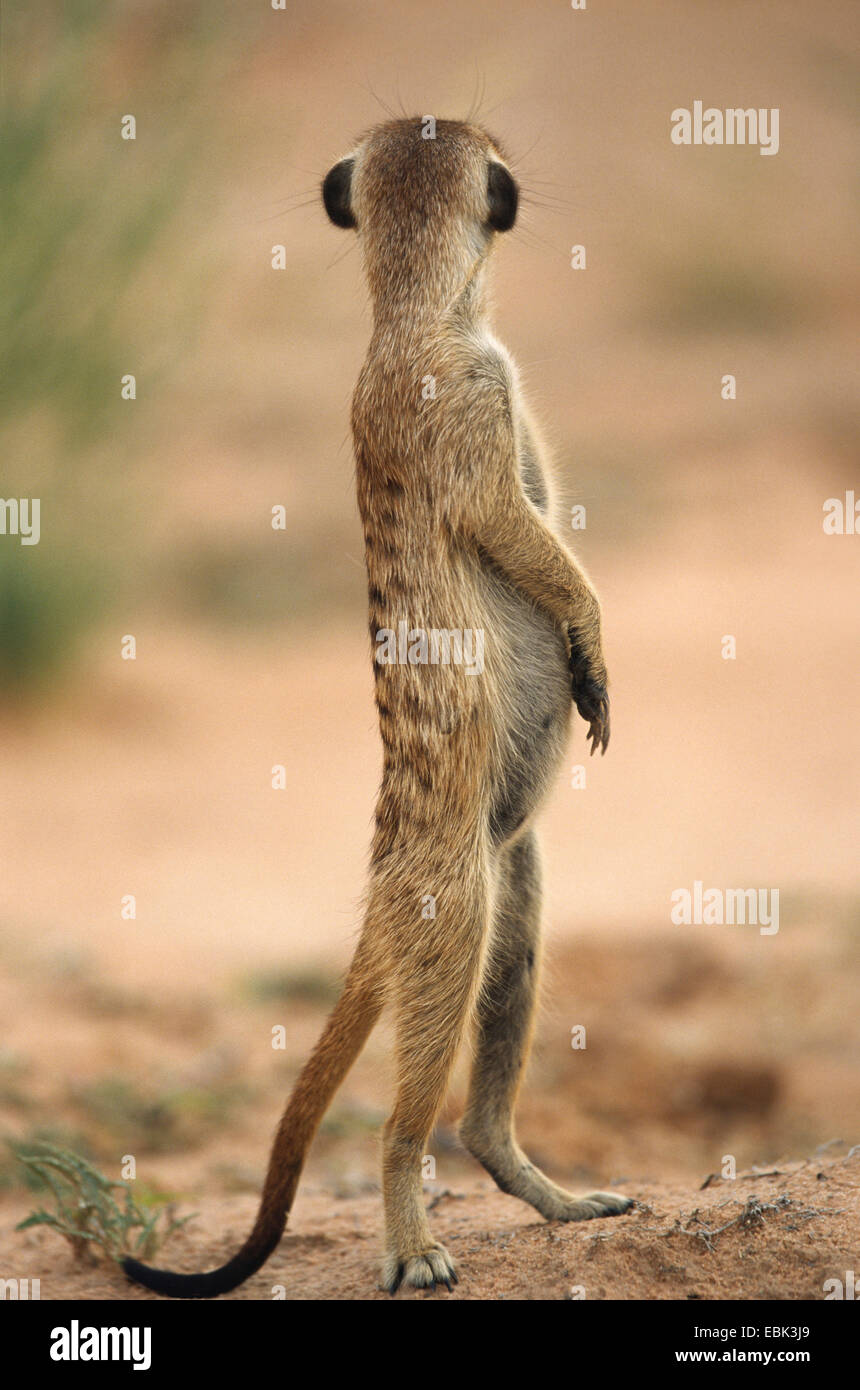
(692, 1057)
(780, 1235)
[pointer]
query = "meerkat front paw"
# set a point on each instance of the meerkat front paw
(588, 687)
(420, 1271)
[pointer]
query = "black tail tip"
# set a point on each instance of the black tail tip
(172, 1285)
(164, 1281)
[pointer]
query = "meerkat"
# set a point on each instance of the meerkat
(455, 501)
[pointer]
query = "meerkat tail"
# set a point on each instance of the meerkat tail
(344, 1036)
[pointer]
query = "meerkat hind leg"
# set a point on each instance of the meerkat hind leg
(504, 1026)
(433, 1004)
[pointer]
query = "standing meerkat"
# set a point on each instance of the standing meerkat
(455, 505)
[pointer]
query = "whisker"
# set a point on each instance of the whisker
(559, 210)
(530, 238)
(404, 113)
(480, 93)
(521, 159)
(342, 255)
(378, 99)
(291, 197)
(284, 212)
(489, 112)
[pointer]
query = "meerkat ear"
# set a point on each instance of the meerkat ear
(336, 190)
(503, 196)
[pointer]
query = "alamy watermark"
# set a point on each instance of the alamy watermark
(21, 516)
(19, 1290)
(842, 515)
(732, 906)
(734, 126)
(417, 646)
(842, 1289)
(77, 1343)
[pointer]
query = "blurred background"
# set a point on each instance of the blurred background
(152, 777)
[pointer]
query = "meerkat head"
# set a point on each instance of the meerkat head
(426, 198)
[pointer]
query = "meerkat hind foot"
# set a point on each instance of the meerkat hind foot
(421, 1271)
(588, 1208)
(518, 1177)
(556, 1204)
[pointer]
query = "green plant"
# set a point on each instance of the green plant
(87, 1215)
